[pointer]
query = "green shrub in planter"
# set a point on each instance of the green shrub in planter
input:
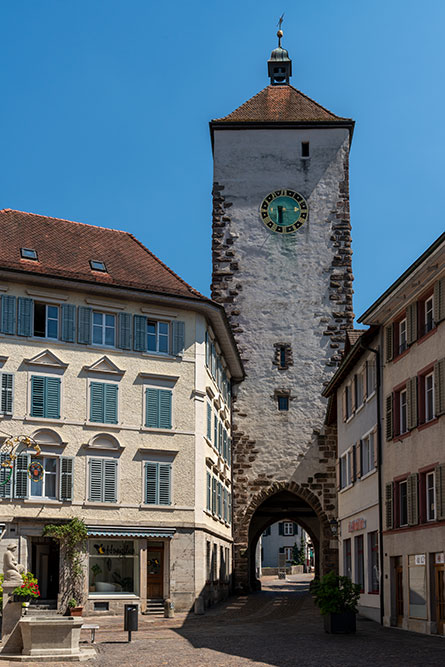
(337, 598)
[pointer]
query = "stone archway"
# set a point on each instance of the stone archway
(284, 500)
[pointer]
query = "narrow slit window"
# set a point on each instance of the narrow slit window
(305, 149)
(283, 403)
(28, 253)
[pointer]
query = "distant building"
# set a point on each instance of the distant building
(280, 538)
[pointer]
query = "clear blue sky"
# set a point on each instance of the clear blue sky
(105, 109)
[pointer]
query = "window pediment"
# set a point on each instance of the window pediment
(104, 365)
(104, 441)
(47, 359)
(46, 436)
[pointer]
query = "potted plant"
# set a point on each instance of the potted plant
(29, 590)
(74, 608)
(96, 569)
(337, 598)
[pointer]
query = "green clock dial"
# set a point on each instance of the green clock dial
(284, 211)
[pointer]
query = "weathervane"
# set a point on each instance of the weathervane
(280, 32)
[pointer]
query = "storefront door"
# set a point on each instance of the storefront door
(155, 571)
(399, 591)
(45, 566)
(440, 598)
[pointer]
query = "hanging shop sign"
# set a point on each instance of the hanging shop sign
(419, 559)
(356, 524)
(439, 558)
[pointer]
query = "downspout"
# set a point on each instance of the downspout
(379, 473)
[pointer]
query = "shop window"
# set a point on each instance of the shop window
(347, 558)
(359, 562)
(113, 566)
(373, 562)
(417, 586)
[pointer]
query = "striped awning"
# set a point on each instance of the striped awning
(121, 531)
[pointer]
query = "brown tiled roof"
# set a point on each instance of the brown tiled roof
(65, 248)
(353, 335)
(281, 103)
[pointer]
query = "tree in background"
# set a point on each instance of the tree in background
(298, 553)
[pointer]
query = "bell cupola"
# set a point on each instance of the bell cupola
(279, 65)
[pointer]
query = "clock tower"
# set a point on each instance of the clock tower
(282, 268)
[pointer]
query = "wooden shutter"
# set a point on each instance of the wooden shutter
(124, 337)
(411, 323)
(7, 393)
(358, 454)
(389, 342)
(97, 402)
(110, 403)
(411, 401)
(152, 407)
(165, 408)
(140, 333)
(213, 495)
(178, 338)
(209, 493)
(439, 387)
(84, 325)
(439, 300)
(52, 398)
(95, 480)
(354, 464)
(389, 502)
(66, 477)
(37, 396)
(110, 480)
(24, 315)
(68, 330)
(8, 314)
(209, 421)
(150, 483)
(353, 391)
(412, 499)
(389, 421)
(21, 476)
(5, 488)
(164, 483)
(439, 472)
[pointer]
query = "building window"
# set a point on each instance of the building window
(359, 562)
(283, 403)
(103, 402)
(373, 562)
(403, 424)
(428, 314)
(288, 528)
(208, 561)
(46, 320)
(104, 329)
(266, 533)
(347, 560)
(158, 336)
(215, 563)
(45, 397)
(348, 401)
(158, 483)
(28, 253)
(288, 553)
(403, 503)
(417, 586)
(346, 469)
(158, 408)
(305, 149)
(367, 454)
(429, 397)
(96, 265)
(358, 384)
(113, 566)
(370, 377)
(102, 480)
(402, 336)
(46, 487)
(430, 496)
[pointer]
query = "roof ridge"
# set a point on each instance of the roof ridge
(50, 217)
(165, 266)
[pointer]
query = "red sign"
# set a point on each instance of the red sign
(357, 524)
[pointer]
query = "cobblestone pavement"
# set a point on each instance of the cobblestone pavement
(278, 627)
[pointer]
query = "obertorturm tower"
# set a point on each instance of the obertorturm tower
(282, 269)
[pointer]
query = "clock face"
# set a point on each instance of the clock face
(284, 211)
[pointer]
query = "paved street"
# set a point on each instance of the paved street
(279, 626)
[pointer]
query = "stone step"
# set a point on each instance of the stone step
(155, 607)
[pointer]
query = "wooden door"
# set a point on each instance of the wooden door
(155, 572)
(399, 594)
(440, 598)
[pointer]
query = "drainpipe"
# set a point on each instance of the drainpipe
(379, 473)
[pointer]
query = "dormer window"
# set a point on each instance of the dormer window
(28, 253)
(98, 266)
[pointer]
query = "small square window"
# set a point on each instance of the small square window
(305, 149)
(27, 253)
(283, 403)
(97, 266)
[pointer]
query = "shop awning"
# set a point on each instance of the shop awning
(121, 531)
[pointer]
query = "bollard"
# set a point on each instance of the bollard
(130, 618)
(169, 608)
(199, 605)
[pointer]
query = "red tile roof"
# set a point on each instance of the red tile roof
(65, 248)
(281, 103)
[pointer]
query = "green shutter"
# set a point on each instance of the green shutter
(52, 398)
(389, 498)
(389, 342)
(110, 481)
(281, 529)
(110, 404)
(412, 499)
(37, 396)
(8, 314)
(165, 408)
(209, 421)
(439, 387)
(84, 325)
(178, 342)
(97, 402)
(7, 393)
(21, 476)
(24, 315)
(66, 477)
(140, 333)
(68, 333)
(95, 480)
(5, 473)
(124, 338)
(440, 491)
(152, 407)
(389, 417)
(150, 483)
(411, 394)
(439, 301)
(411, 323)
(164, 472)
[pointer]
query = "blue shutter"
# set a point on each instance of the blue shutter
(150, 483)
(110, 481)
(66, 477)
(8, 314)
(84, 325)
(21, 476)
(124, 338)
(140, 333)
(95, 480)
(97, 402)
(164, 483)
(110, 401)
(68, 323)
(37, 396)
(209, 421)
(52, 398)
(165, 408)
(24, 315)
(152, 408)
(7, 393)
(5, 488)
(178, 329)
